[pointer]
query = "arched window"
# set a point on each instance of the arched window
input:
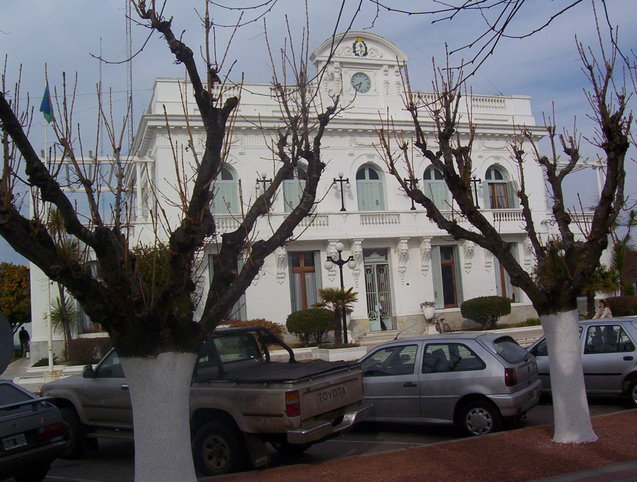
(435, 188)
(500, 190)
(369, 189)
(226, 193)
(293, 188)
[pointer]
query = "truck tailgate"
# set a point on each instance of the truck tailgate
(331, 394)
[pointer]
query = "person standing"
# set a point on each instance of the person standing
(24, 341)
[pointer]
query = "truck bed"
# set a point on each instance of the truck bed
(258, 371)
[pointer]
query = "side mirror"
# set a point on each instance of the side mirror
(88, 372)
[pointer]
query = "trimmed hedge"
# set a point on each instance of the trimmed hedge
(83, 351)
(311, 323)
(277, 328)
(622, 305)
(486, 310)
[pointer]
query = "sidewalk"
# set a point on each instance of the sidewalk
(517, 455)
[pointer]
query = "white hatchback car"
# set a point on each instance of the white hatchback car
(474, 380)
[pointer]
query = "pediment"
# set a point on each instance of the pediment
(360, 48)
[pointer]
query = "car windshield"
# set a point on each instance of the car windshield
(509, 350)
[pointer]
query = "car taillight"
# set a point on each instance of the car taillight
(292, 404)
(510, 377)
(51, 431)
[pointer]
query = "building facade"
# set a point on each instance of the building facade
(400, 258)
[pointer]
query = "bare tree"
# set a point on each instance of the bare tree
(144, 297)
(565, 261)
(501, 20)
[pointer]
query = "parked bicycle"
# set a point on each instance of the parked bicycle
(431, 316)
(441, 326)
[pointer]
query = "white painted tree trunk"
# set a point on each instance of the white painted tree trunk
(160, 393)
(571, 415)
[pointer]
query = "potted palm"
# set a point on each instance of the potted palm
(338, 300)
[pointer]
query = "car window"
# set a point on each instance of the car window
(607, 339)
(234, 348)
(392, 360)
(508, 349)
(9, 395)
(540, 349)
(450, 357)
(110, 367)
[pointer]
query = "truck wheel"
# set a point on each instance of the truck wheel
(287, 448)
(480, 418)
(76, 440)
(218, 448)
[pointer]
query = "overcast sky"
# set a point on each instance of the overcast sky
(64, 34)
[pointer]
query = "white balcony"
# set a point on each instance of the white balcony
(385, 224)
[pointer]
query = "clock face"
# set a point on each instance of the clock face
(361, 82)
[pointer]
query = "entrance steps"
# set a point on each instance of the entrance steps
(374, 338)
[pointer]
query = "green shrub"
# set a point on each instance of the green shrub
(313, 323)
(276, 328)
(486, 310)
(531, 322)
(44, 362)
(622, 305)
(83, 351)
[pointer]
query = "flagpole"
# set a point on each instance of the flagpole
(50, 331)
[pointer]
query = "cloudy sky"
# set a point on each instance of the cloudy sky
(64, 34)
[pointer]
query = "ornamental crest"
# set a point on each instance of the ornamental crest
(359, 47)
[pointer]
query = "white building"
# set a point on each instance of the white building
(401, 258)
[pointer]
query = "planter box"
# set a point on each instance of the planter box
(337, 354)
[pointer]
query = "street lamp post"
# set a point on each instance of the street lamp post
(475, 181)
(340, 180)
(262, 180)
(340, 262)
(413, 184)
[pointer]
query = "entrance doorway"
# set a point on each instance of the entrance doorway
(378, 290)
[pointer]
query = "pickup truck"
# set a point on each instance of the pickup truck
(240, 399)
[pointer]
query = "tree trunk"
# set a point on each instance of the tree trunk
(160, 395)
(338, 335)
(570, 407)
(590, 304)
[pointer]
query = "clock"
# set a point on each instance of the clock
(361, 82)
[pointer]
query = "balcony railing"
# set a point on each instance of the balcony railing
(374, 224)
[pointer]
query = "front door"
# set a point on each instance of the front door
(378, 290)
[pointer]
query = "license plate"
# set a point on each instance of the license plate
(13, 442)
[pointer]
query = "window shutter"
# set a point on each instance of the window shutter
(512, 189)
(498, 279)
(226, 197)
(292, 192)
(438, 192)
(436, 274)
(458, 273)
(486, 196)
(370, 195)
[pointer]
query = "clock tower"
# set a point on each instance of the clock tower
(362, 65)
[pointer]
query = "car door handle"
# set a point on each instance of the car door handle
(628, 358)
(409, 385)
(124, 386)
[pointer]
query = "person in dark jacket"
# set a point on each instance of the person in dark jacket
(24, 341)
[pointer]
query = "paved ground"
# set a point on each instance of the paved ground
(518, 455)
